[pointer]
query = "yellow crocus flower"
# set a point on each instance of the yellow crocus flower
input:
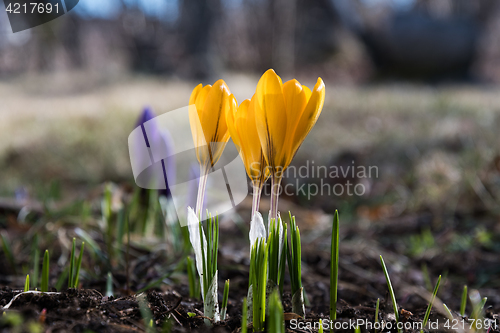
(243, 129)
(285, 114)
(207, 117)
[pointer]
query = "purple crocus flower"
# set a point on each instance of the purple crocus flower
(159, 139)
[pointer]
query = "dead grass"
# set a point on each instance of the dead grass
(56, 127)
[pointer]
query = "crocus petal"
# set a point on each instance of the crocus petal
(307, 91)
(309, 116)
(230, 120)
(198, 135)
(295, 101)
(201, 97)
(270, 113)
(257, 229)
(257, 166)
(194, 94)
(210, 132)
(213, 116)
(194, 236)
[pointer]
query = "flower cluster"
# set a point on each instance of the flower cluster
(268, 129)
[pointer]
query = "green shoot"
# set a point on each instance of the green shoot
(106, 210)
(277, 255)
(78, 266)
(357, 330)
(483, 303)
(429, 307)
(71, 264)
(448, 312)
(74, 266)
(334, 267)
(377, 306)
(224, 300)
(121, 223)
(244, 316)
(206, 250)
(168, 324)
(146, 314)
(295, 269)
(477, 308)
(209, 255)
(27, 283)
(391, 291)
(258, 280)
(463, 304)
(276, 321)
(8, 251)
(45, 272)
(194, 291)
(320, 330)
(109, 285)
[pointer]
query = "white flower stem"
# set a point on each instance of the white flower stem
(275, 190)
(201, 192)
(257, 190)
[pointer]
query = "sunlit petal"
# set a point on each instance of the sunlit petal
(309, 116)
(307, 91)
(194, 94)
(201, 98)
(210, 131)
(271, 117)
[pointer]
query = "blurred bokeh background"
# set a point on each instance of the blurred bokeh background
(412, 87)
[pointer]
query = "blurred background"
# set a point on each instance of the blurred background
(411, 87)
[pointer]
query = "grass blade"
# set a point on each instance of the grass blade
(146, 313)
(109, 285)
(334, 267)
(276, 322)
(71, 264)
(224, 300)
(429, 307)
(377, 306)
(191, 271)
(448, 312)
(463, 304)
(78, 266)
(36, 267)
(27, 283)
(294, 268)
(391, 291)
(45, 272)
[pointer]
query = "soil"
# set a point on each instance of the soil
(361, 283)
